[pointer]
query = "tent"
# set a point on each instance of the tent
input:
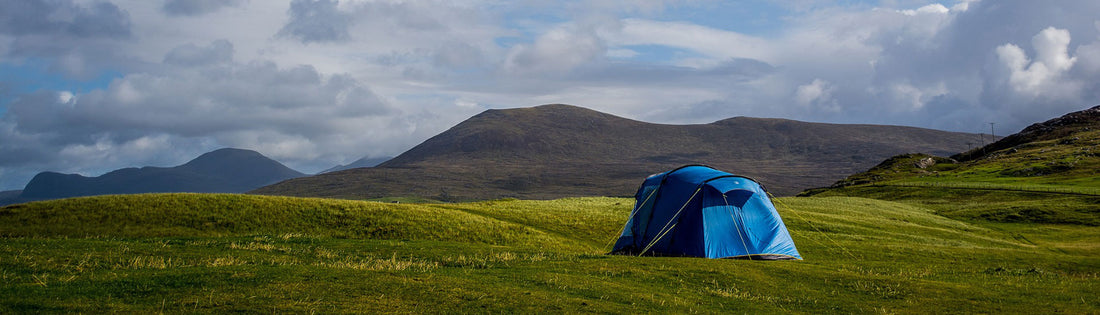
(699, 211)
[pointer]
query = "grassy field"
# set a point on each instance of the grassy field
(1050, 181)
(211, 253)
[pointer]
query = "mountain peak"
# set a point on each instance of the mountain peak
(554, 112)
(230, 152)
(557, 150)
(523, 134)
(553, 108)
(224, 155)
(243, 162)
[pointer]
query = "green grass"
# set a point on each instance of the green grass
(188, 253)
(1048, 181)
(1003, 204)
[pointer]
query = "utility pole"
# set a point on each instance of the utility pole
(991, 133)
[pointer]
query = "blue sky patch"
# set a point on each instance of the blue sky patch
(659, 54)
(34, 75)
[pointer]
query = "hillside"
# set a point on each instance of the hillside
(1045, 173)
(224, 170)
(553, 151)
(218, 253)
(1065, 129)
(363, 162)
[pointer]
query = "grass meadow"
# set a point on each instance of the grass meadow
(218, 253)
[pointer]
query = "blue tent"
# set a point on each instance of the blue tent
(699, 211)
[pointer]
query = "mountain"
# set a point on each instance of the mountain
(1045, 173)
(10, 194)
(553, 151)
(363, 162)
(223, 170)
(8, 197)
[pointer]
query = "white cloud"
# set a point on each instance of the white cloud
(806, 94)
(1051, 45)
(714, 43)
(65, 97)
(934, 8)
(915, 98)
(558, 51)
(963, 5)
(1051, 62)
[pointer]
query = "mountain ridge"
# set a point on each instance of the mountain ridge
(222, 170)
(557, 150)
(362, 162)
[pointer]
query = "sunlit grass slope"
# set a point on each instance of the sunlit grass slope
(224, 253)
(1048, 181)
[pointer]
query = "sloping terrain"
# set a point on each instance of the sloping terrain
(1046, 173)
(224, 170)
(363, 162)
(554, 151)
(1063, 128)
(217, 253)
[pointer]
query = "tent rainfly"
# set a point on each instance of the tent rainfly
(699, 211)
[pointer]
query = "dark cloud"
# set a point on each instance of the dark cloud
(405, 15)
(218, 52)
(78, 40)
(284, 112)
(316, 21)
(197, 7)
(253, 96)
(63, 19)
(458, 55)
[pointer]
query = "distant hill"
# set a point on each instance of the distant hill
(1045, 173)
(553, 151)
(10, 193)
(224, 170)
(8, 197)
(363, 162)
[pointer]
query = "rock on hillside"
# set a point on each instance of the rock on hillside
(554, 151)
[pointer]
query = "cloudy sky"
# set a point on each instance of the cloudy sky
(87, 86)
